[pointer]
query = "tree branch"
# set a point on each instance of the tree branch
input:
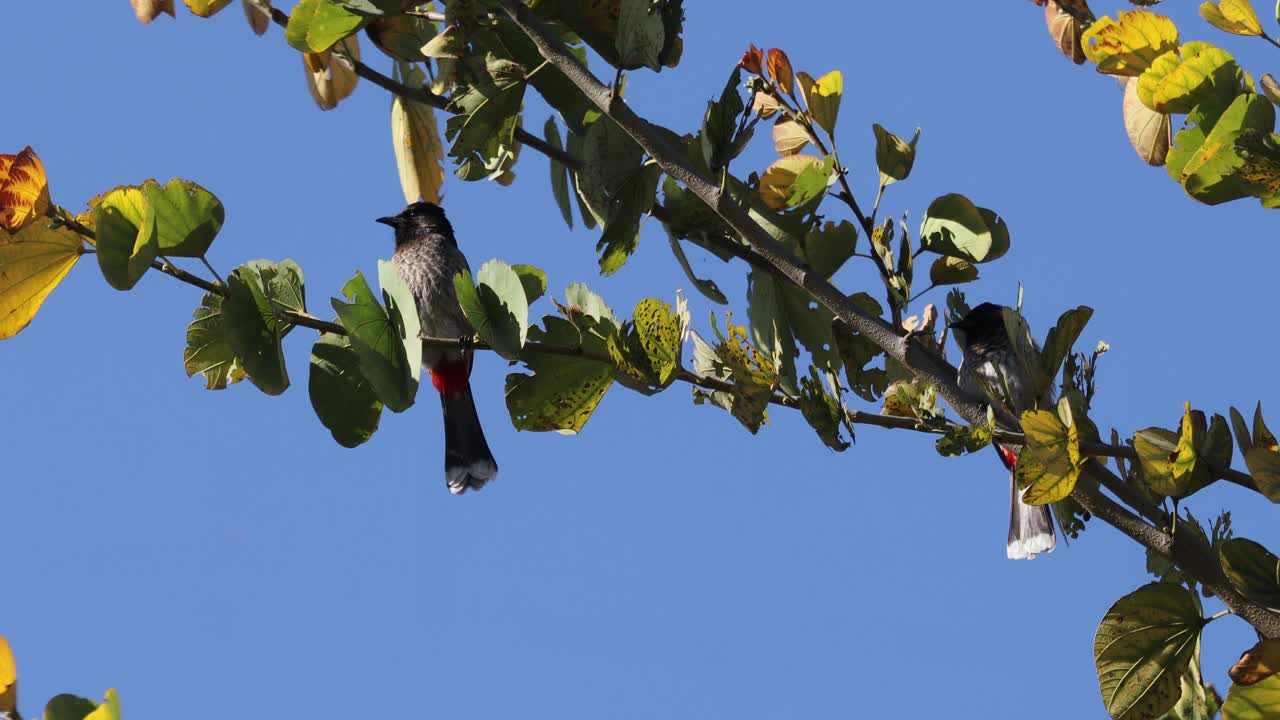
(1193, 557)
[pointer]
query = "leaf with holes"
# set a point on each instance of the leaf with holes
(208, 351)
(562, 392)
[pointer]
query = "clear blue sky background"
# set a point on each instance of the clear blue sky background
(209, 553)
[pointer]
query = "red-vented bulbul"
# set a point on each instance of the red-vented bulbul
(428, 257)
(989, 368)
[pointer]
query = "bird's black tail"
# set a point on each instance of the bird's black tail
(1030, 526)
(468, 463)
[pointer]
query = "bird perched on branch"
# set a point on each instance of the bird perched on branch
(428, 257)
(990, 368)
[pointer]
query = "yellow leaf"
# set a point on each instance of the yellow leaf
(1234, 16)
(24, 189)
(1129, 45)
(822, 97)
(1178, 80)
(32, 263)
(332, 79)
(8, 679)
(148, 10)
(789, 137)
(419, 153)
(1149, 131)
(775, 184)
(205, 8)
(108, 710)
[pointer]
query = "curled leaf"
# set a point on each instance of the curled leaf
(1150, 132)
(1234, 16)
(331, 79)
(148, 10)
(780, 70)
(24, 189)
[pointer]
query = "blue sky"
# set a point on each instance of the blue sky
(200, 551)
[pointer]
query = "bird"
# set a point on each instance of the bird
(989, 368)
(427, 257)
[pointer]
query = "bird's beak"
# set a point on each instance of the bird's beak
(393, 221)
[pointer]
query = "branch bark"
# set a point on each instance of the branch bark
(1191, 555)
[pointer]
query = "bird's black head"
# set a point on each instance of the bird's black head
(418, 218)
(983, 324)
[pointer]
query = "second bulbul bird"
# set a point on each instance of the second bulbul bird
(428, 257)
(990, 369)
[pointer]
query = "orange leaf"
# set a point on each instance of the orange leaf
(780, 69)
(24, 189)
(1258, 663)
(752, 60)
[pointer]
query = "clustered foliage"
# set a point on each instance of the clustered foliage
(477, 60)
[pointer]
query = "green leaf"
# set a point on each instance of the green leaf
(498, 308)
(621, 234)
(534, 280)
(482, 134)
(317, 25)
(1057, 344)
(647, 350)
(128, 239)
(952, 271)
(610, 158)
(1143, 646)
(257, 290)
(1044, 470)
(1194, 702)
(962, 439)
(383, 340)
(822, 96)
(641, 35)
(341, 396)
(718, 136)
(562, 392)
(1155, 446)
(707, 287)
(753, 374)
(857, 352)
(559, 173)
(68, 707)
(208, 351)
(823, 412)
(1213, 174)
(954, 226)
(826, 249)
(1180, 79)
(188, 217)
(1177, 465)
(1252, 569)
(1259, 701)
(894, 156)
